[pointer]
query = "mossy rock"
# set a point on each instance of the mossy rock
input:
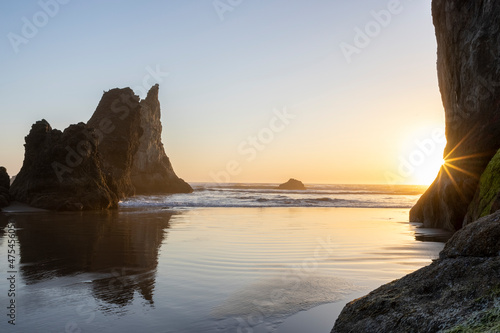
(483, 322)
(487, 198)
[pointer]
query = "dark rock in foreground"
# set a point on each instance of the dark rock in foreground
(469, 79)
(152, 171)
(61, 171)
(4, 187)
(292, 184)
(460, 290)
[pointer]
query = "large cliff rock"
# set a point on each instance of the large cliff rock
(468, 38)
(459, 292)
(117, 121)
(61, 170)
(4, 187)
(152, 171)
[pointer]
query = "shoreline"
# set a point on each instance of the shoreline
(19, 208)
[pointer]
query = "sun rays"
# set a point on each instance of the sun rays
(450, 163)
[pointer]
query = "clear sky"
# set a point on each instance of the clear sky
(251, 90)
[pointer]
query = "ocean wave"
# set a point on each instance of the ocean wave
(314, 188)
(260, 203)
(250, 196)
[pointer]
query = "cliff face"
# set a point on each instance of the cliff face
(117, 120)
(61, 170)
(468, 38)
(152, 171)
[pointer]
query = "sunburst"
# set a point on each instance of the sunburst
(449, 164)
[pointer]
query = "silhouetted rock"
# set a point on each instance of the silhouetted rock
(94, 165)
(61, 170)
(4, 187)
(459, 290)
(117, 121)
(152, 171)
(292, 184)
(487, 198)
(469, 79)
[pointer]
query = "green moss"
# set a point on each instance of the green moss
(483, 322)
(489, 185)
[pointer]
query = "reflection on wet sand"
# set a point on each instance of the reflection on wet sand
(119, 250)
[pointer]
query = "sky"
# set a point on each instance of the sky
(323, 91)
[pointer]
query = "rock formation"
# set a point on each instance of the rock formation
(460, 291)
(468, 35)
(92, 166)
(152, 171)
(61, 170)
(4, 187)
(117, 121)
(292, 184)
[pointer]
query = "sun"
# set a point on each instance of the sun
(421, 154)
(429, 170)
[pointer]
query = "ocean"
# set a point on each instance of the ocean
(267, 195)
(226, 258)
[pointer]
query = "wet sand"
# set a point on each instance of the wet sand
(202, 270)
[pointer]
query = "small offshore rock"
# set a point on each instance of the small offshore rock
(292, 184)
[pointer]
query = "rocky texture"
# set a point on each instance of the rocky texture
(4, 187)
(468, 38)
(292, 184)
(117, 121)
(61, 170)
(152, 171)
(459, 292)
(92, 166)
(487, 198)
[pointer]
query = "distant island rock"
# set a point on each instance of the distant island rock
(92, 166)
(4, 187)
(292, 184)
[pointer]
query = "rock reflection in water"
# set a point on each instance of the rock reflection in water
(119, 250)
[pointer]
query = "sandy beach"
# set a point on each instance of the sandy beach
(204, 269)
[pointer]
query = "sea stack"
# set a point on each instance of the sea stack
(292, 184)
(117, 120)
(117, 154)
(468, 67)
(152, 171)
